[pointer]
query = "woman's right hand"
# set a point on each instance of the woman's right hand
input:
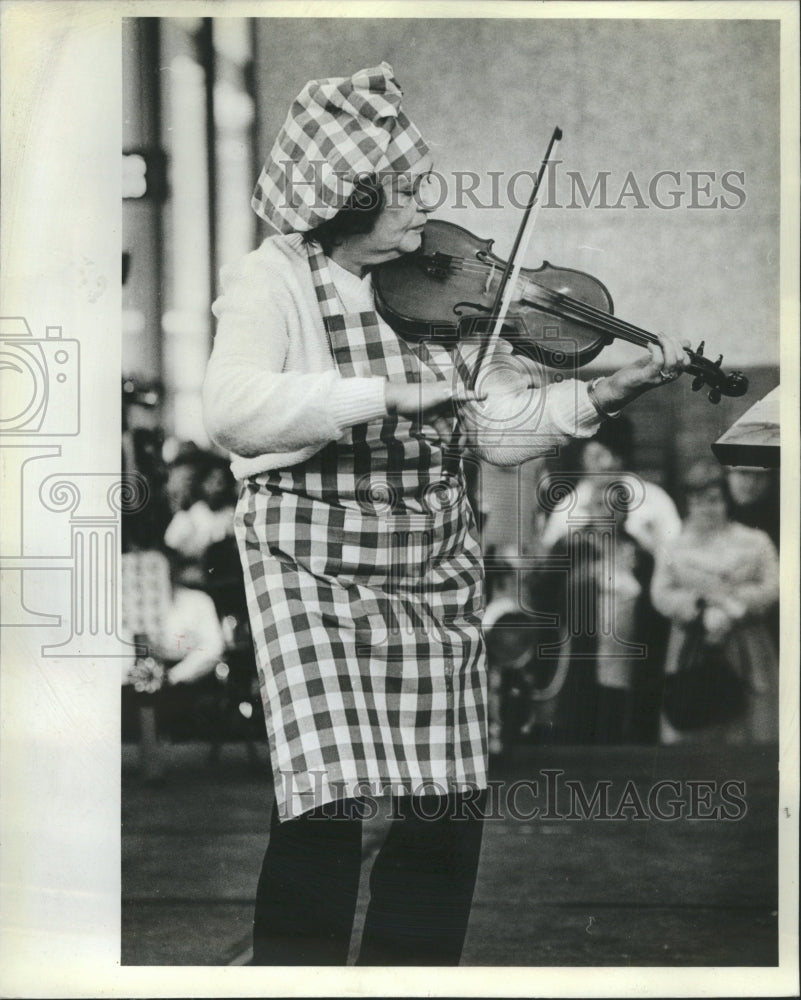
(414, 399)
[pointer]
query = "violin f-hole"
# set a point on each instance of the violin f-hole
(458, 311)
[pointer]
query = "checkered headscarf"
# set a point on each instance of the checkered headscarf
(336, 130)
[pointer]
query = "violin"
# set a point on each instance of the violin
(447, 291)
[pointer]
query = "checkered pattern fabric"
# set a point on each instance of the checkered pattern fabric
(336, 130)
(364, 584)
(147, 593)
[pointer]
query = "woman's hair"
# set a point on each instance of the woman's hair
(356, 217)
(703, 475)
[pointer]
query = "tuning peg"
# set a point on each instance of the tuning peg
(714, 395)
(719, 362)
(698, 383)
(700, 349)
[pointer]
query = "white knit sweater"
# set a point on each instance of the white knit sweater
(273, 397)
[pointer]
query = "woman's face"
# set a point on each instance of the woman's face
(409, 197)
(748, 485)
(707, 508)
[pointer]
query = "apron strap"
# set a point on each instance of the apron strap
(327, 298)
(333, 318)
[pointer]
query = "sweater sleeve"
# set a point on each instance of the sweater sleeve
(515, 422)
(759, 594)
(670, 594)
(252, 404)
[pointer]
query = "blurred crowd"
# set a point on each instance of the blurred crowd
(631, 619)
(588, 628)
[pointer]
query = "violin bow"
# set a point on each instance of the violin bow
(508, 282)
(506, 286)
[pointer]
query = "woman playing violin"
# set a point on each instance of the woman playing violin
(361, 555)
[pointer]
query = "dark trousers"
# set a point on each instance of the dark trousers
(421, 885)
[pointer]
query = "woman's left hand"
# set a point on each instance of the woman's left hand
(665, 361)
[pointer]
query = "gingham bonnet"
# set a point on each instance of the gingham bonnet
(336, 129)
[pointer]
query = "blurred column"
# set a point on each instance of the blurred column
(186, 321)
(188, 177)
(143, 193)
(234, 117)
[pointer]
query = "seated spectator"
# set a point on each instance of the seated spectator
(652, 523)
(733, 570)
(181, 629)
(208, 520)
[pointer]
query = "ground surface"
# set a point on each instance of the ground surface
(551, 891)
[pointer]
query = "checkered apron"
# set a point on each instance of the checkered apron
(364, 583)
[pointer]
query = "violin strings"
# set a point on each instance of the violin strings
(582, 311)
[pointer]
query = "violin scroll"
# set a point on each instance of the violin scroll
(710, 373)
